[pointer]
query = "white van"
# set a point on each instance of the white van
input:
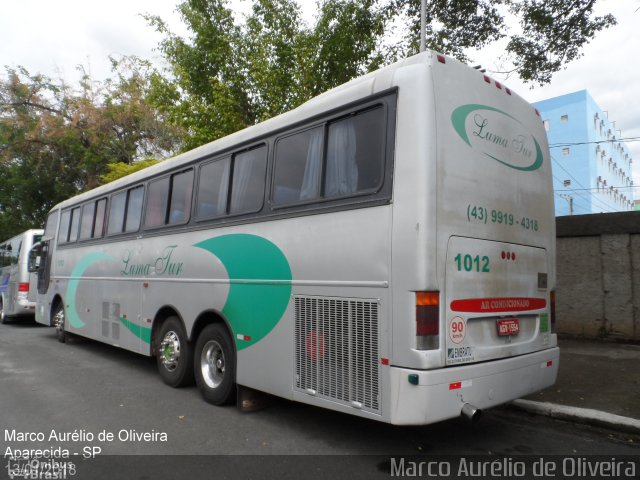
(17, 285)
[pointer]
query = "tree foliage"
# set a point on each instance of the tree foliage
(119, 170)
(551, 32)
(230, 74)
(57, 140)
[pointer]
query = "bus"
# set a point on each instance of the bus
(17, 285)
(386, 249)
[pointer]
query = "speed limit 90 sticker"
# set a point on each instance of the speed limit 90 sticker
(457, 330)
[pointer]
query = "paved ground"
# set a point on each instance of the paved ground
(88, 387)
(597, 375)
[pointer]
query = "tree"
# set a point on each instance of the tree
(229, 75)
(552, 31)
(119, 170)
(56, 141)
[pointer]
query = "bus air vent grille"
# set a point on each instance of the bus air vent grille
(337, 350)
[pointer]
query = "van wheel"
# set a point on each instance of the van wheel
(3, 318)
(59, 321)
(174, 354)
(215, 365)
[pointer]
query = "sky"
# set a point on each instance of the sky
(54, 37)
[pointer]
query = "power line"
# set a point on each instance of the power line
(596, 142)
(595, 199)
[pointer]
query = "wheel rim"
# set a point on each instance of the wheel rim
(170, 350)
(212, 364)
(58, 321)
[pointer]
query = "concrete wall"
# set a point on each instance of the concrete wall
(598, 276)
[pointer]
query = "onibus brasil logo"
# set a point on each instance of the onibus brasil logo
(498, 135)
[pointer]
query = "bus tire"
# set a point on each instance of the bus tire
(215, 365)
(174, 354)
(59, 321)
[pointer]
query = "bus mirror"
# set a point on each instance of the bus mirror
(34, 259)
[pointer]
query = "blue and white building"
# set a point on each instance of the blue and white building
(592, 166)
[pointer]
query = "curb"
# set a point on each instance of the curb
(580, 415)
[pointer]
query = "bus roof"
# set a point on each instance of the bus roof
(351, 91)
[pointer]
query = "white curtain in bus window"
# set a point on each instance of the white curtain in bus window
(86, 223)
(116, 213)
(156, 212)
(213, 188)
(342, 170)
(298, 169)
(181, 188)
(247, 188)
(63, 232)
(313, 167)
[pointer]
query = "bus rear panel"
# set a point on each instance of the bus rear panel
(480, 295)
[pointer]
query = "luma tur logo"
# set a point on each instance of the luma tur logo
(512, 150)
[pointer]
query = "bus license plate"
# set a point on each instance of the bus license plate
(508, 326)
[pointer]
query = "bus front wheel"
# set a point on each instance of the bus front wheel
(174, 354)
(215, 365)
(59, 321)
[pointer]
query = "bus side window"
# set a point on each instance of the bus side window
(213, 188)
(158, 197)
(134, 209)
(180, 205)
(355, 154)
(63, 232)
(75, 224)
(350, 162)
(98, 227)
(116, 213)
(249, 172)
(86, 224)
(298, 167)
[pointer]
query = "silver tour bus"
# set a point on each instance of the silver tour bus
(387, 249)
(17, 285)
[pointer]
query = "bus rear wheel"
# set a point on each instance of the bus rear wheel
(174, 354)
(59, 321)
(215, 365)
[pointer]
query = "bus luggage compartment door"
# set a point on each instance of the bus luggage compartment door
(497, 300)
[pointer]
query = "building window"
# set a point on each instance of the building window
(564, 118)
(565, 151)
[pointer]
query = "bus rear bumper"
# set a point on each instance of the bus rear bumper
(421, 397)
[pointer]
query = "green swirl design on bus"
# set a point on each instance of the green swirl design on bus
(143, 333)
(259, 284)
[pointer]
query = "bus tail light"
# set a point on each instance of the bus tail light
(552, 301)
(23, 287)
(427, 320)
